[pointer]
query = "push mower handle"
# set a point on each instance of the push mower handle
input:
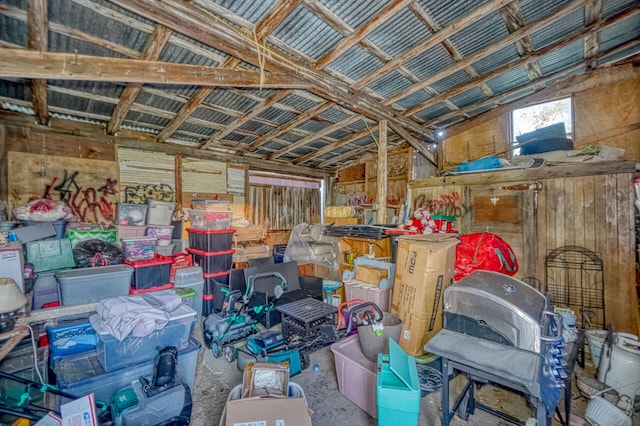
(362, 307)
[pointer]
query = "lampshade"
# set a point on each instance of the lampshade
(11, 298)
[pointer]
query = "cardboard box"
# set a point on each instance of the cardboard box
(12, 263)
(424, 268)
(338, 221)
(370, 274)
(268, 412)
(265, 379)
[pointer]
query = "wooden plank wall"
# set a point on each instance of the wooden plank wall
(485, 139)
(593, 211)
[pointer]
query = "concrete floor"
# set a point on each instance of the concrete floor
(215, 378)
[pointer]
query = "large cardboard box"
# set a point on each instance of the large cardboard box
(424, 268)
(12, 263)
(268, 412)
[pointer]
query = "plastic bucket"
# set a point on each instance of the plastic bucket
(595, 338)
(373, 343)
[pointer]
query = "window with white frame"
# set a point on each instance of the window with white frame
(525, 120)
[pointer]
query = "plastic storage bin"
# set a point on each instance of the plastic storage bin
(369, 293)
(210, 205)
(72, 335)
(192, 278)
(130, 231)
(88, 285)
(162, 234)
(51, 255)
(45, 290)
(219, 277)
(278, 253)
(210, 241)
(78, 235)
(150, 273)
(356, 374)
(132, 214)
(114, 354)
(397, 388)
(59, 225)
(139, 248)
(212, 262)
(202, 219)
(164, 250)
(160, 212)
(83, 374)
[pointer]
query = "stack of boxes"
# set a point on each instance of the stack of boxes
(210, 242)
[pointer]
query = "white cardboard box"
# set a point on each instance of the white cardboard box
(12, 263)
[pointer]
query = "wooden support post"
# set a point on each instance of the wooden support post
(381, 176)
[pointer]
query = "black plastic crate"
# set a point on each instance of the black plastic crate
(218, 277)
(150, 273)
(303, 317)
(212, 262)
(210, 240)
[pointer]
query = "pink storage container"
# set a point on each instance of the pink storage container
(358, 290)
(356, 374)
(161, 233)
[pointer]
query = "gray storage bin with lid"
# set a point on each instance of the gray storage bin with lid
(89, 285)
(192, 278)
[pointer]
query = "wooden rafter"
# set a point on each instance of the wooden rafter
(432, 41)
(510, 39)
(316, 135)
(514, 19)
(290, 125)
(66, 66)
(331, 147)
(152, 50)
(375, 22)
(191, 105)
(192, 22)
(275, 16)
(38, 27)
(598, 26)
(592, 14)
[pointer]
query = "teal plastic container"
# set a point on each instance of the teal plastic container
(50, 255)
(398, 388)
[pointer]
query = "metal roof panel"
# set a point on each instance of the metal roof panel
(429, 62)
(468, 97)
(559, 29)
(451, 81)
(356, 63)
(400, 33)
(508, 80)
(252, 11)
(480, 34)
(355, 12)
(561, 58)
(390, 84)
(620, 33)
(496, 60)
(445, 12)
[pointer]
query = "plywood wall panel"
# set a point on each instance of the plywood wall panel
(485, 139)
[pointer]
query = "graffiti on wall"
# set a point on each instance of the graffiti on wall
(446, 204)
(139, 194)
(88, 204)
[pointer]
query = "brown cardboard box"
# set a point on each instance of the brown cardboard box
(370, 274)
(424, 268)
(265, 379)
(341, 220)
(268, 412)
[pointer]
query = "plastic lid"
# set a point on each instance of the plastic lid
(209, 253)
(211, 231)
(400, 365)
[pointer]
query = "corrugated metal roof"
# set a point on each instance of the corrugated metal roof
(356, 63)
(451, 81)
(237, 137)
(480, 110)
(11, 90)
(290, 137)
(252, 11)
(333, 115)
(143, 119)
(480, 34)
(277, 115)
(534, 10)
(312, 126)
(400, 33)
(298, 102)
(561, 58)
(627, 30)
(508, 80)
(231, 100)
(339, 134)
(613, 7)
(13, 31)
(355, 12)
(302, 30)
(473, 95)
(559, 29)
(429, 62)
(445, 12)
(414, 99)
(211, 116)
(196, 130)
(390, 84)
(433, 111)
(255, 127)
(496, 60)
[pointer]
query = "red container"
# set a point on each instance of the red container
(180, 260)
(210, 241)
(218, 277)
(150, 273)
(133, 291)
(212, 262)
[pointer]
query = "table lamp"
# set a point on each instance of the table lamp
(11, 299)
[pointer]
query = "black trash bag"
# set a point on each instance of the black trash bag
(92, 253)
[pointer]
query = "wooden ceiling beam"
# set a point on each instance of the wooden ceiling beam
(362, 32)
(67, 66)
(596, 27)
(415, 143)
(433, 41)
(275, 16)
(157, 41)
(514, 19)
(195, 23)
(185, 111)
(38, 35)
(332, 146)
(500, 44)
(316, 135)
(290, 125)
(592, 14)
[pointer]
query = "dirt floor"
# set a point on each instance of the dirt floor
(215, 378)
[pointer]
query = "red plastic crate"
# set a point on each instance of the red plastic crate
(150, 273)
(219, 277)
(180, 261)
(210, 241)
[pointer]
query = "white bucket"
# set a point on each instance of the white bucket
(595, 338)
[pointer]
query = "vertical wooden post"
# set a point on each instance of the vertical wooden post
(381, 177)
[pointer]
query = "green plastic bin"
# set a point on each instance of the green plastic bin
(398, 388)
(50, 255)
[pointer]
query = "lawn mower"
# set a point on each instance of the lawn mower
(271, 346)
(236, 323)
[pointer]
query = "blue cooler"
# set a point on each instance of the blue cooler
(398, 388)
